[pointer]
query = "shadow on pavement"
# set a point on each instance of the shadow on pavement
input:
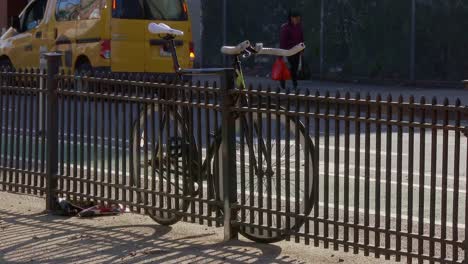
(39, 238)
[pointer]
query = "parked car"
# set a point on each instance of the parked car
(98, 35)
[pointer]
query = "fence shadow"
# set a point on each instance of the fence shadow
(37, 238)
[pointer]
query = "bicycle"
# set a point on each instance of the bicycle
(177, 154)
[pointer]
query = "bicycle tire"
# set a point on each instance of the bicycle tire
(163, 217)
(258, 234)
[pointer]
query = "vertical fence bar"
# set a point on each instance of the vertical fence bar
(378, 147)
(38, 130)
(422, 176)
(3, 129)
(125, 174)
(53, 60)
(102, 142)
(456, 180)
(466, 197)
(62, 111)
(153, 146)
(16, 131)
(192, 142)
(297, 181)
(259, 160)
(388, 177)
(357, 164)
(167, 158)
(443, 233)
(32, 132)
(187, 117)
(117, 125)
(399, 175)
(326, 175)
(7, 134)
(89, 117)
(228, 147)
(95, 140)
(109, 141)
(216, 125)
(24, 115)
(409, 259)
(269, 162)
(75, 99)
(146, 139)
(207, 136)
(433, 181)
(12, 173)
(288, 164)
(307, 168)
(336, 183)
(82, 143)
(346, 171)
(317, 167)
(278, 157)
(162, 116)
(135, 172)
(43, 148)
(367, 176)
(68, 147)
(199, 151)
(31, 135)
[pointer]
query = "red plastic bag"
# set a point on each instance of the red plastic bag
(280, 71)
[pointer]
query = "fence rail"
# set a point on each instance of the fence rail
(380, 175)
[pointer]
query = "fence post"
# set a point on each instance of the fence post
(53, 62)
(228, 179)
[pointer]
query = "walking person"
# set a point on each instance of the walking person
(292, 34)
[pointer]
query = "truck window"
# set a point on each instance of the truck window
(34, 15)
(91, 9)
(67, 10)
(149, 9)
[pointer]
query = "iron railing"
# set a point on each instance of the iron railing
(382, 176)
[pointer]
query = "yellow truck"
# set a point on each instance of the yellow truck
(92, 35)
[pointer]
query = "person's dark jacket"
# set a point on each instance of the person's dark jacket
(291, 35)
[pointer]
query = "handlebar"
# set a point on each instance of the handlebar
(245, 47)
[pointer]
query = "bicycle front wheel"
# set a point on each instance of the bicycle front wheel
(275, 175)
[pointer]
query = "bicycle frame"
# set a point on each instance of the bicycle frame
(237, 65)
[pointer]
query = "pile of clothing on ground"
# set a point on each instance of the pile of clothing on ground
(89, 208)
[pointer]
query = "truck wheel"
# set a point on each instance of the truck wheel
(80, 70)
(5, 64)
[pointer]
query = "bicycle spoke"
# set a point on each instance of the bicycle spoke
(269, 173)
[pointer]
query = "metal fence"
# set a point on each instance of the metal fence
(380, 175)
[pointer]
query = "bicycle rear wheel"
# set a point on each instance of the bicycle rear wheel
(160, 147)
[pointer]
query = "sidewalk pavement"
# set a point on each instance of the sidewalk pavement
(29, 236)
(373, 89)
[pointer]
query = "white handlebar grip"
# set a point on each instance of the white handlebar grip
(296, 49)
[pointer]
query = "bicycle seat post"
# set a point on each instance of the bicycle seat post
(175, 59)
